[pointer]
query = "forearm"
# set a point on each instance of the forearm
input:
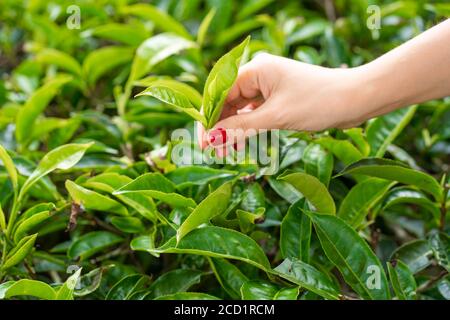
(414, 72)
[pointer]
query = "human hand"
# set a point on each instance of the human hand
(272, 92)
(278, 93)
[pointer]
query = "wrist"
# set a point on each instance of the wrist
(370, 93)
(357, 97)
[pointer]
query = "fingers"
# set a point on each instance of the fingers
(246, 86)
(233, 131)
(246, 110)
(244, 96)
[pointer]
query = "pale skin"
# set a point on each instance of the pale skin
(272, 92)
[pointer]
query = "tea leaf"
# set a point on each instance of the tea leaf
(382, 131)
(26, 287)
(94, 201)
(91, 243)
(63, 158)
(220, 81)
(402, 280)
(395, 171)
(19, 252)
(295, 233)
(353, 257)
(313, 190)
(214, 242)
(213, 205)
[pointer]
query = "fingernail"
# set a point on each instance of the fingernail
(217, 136)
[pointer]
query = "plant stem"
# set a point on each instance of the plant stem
(13, 215)
(444, 208)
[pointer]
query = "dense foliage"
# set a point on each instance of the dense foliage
(86, 177)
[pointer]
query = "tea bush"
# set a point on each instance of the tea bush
(94, 207)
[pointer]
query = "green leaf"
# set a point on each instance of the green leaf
(128, 285)
(156, 49)
(35, 105)
(19, 252)
(130, 34)
(359, 139)
(107, 182)
(24, 226)
(308, 277)
(287, 294)
(65, 292)
(444, 287)
(440, 244)
(160, 18)
(174, 281)
(415, 254)
(308, 55)
(219, 82)
(402, 280)
(10, 168)
(44, 126)
(382, 131)
(110, 181)
(229, 276)
(285, 190)
(158, 187)
(128, 224)
(258, 290)
(101, 61)
(342, 149)
(406, 195)
(249, 8)
(59, 59)
(174, 98)
(261, 290)
(90, 282)
(309, 30)
(214, 242)
(361, 199)
(295, 233)
(189, 92)
(248, 219)
(2, 220)
(91, 243)
(204, 26)
(63, 158)
(92, 200)
(159, 119)
(213, 205)
(313, 190)
(41, 207)
(195, 175)
(240, 29)
(26, 287)
(395, 171)
(4, 288)
(253, 198)
(188, 296)
(353, 257)
(318, 162)
(334, 48)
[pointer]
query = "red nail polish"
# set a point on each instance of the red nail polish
(218, 136)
